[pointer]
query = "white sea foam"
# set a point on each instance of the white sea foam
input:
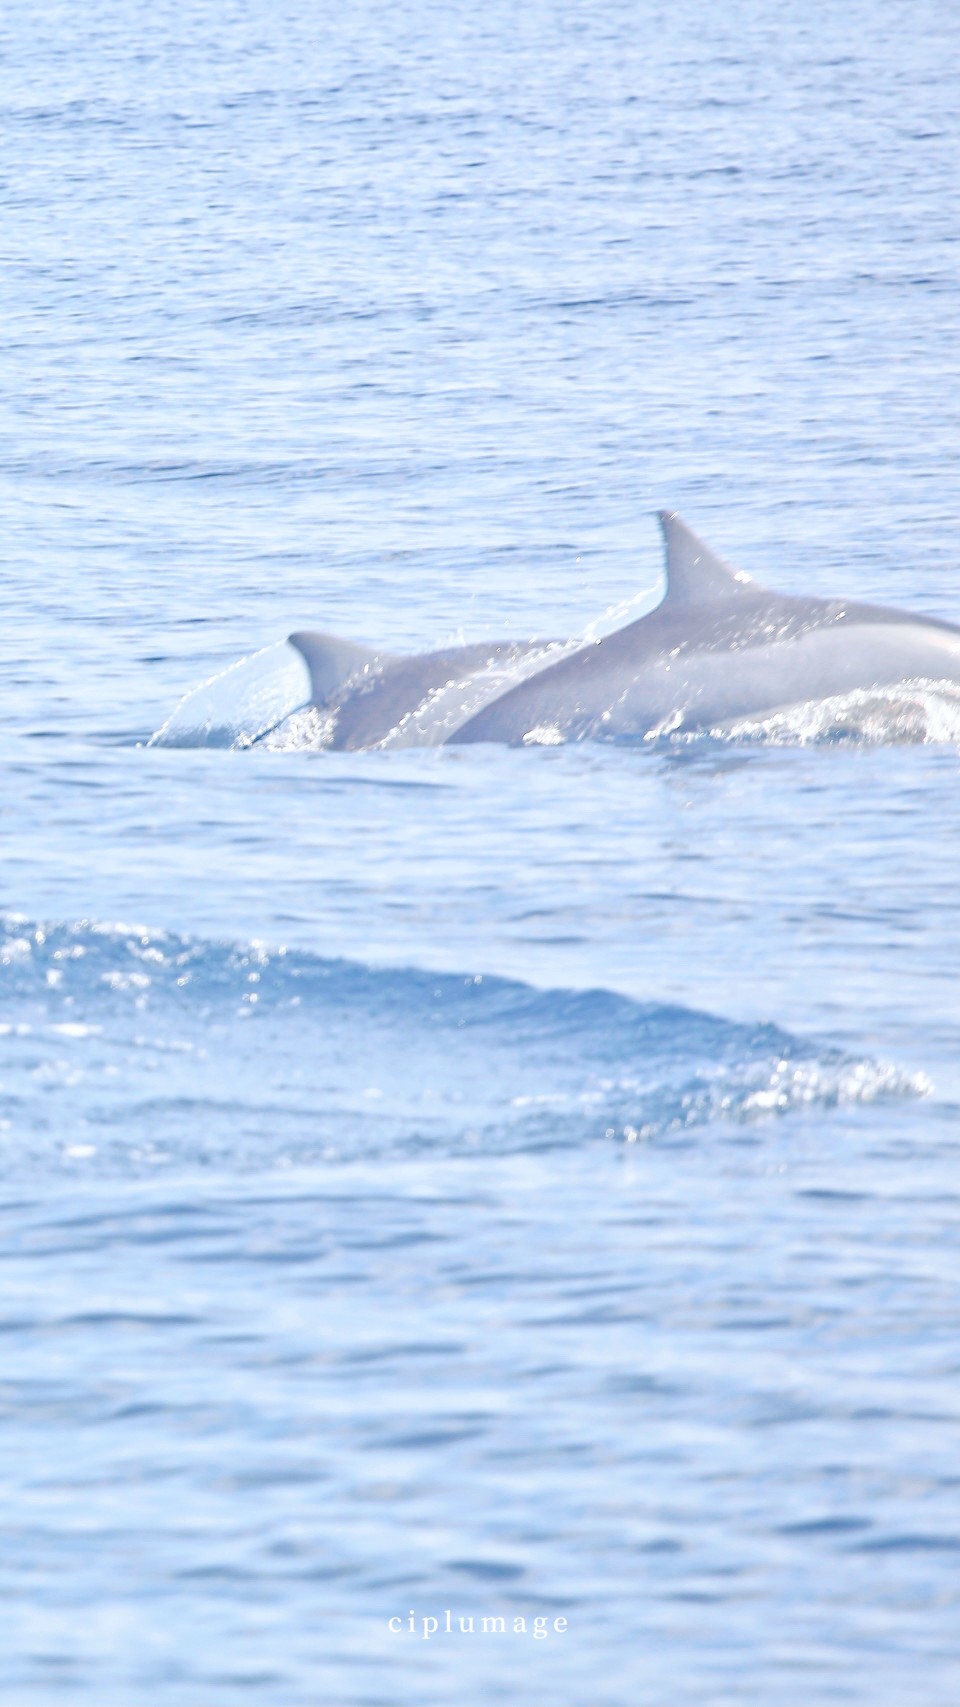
(912, 713)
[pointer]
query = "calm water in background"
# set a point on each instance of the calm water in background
(523, 1182)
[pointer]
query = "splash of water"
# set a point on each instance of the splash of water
(914, 713)
(241, 704)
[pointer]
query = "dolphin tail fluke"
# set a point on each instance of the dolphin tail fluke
(332, 662)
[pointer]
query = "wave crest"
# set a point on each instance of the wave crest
(132, 1044)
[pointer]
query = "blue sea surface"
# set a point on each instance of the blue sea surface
(523, 1182)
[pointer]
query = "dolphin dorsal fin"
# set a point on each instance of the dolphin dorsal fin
(333, 662)
(695, 574)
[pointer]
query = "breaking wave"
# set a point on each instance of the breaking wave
(128, 1047)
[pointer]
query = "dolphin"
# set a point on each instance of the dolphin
(383, 699)
(718, 650)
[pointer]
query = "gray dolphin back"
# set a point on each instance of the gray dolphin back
(718, 647)
(381, 699)
(332, 662)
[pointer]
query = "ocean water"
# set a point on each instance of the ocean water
(522, 1183)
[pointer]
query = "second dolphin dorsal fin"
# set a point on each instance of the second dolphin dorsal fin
(333, 662)
(695, 574)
